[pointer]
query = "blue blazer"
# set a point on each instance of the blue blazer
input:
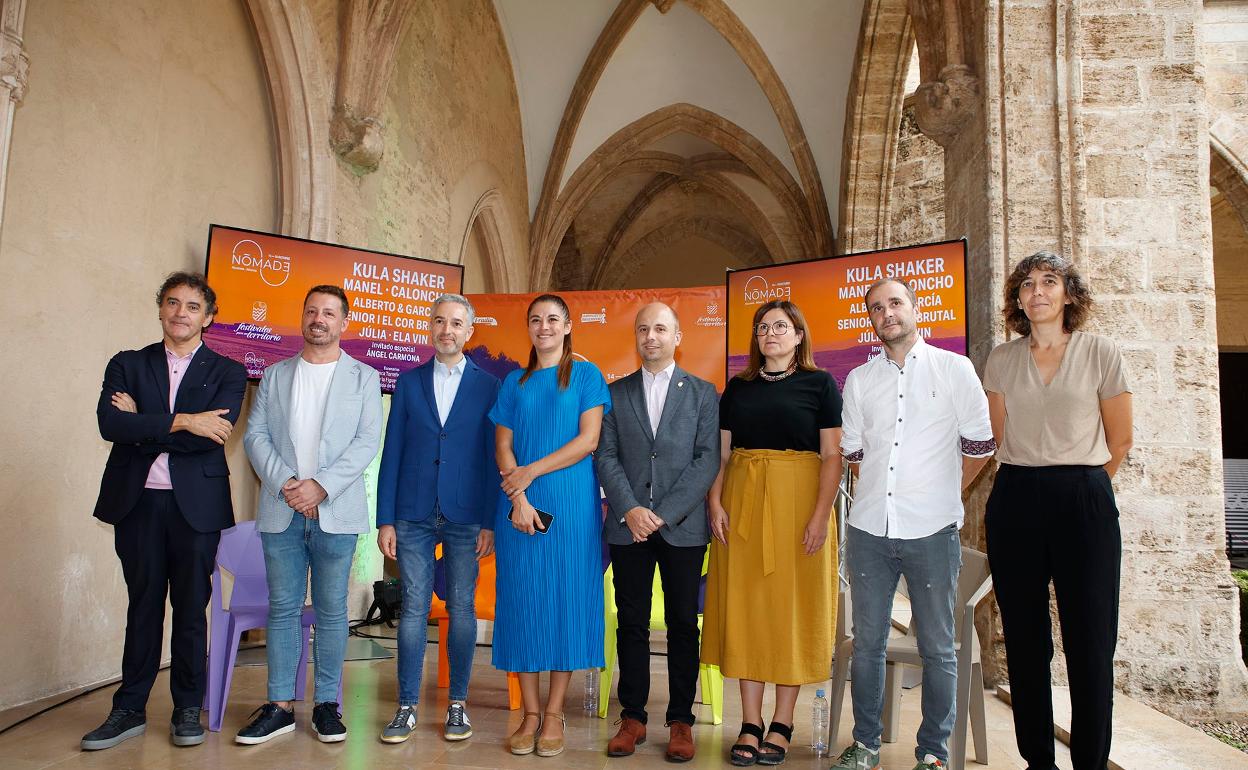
(424, 462)
(201, 479)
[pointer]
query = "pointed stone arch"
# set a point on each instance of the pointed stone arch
(546, 232)
(872, 120)
(746, 245)
(489, 216)
(623, 152)
(1228, 163)
(301, 93)
(704, 170)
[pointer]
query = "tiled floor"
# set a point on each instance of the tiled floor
(51, 739)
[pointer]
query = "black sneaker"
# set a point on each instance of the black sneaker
(185, 728)
(327, 723)
(120, 725)
(271, 720)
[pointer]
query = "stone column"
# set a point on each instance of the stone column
(13, 67)
(1082, 129)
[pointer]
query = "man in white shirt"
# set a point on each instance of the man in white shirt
(314, 427)
(437, 484)
(916, 427)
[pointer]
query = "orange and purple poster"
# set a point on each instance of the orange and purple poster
(261, 279)
(602, 330)
(831, 294)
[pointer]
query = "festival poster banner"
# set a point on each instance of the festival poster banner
(261, 279)
(602, 330)
(831, 294)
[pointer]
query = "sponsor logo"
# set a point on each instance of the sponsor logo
(255, 363)
(259, 311)
(485, 320)
(712, 319)
(249, 257)
(595, 318)
(758, 291)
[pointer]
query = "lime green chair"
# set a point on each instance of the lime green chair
(711, 680)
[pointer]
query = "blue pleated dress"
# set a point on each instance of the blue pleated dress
(548, 613)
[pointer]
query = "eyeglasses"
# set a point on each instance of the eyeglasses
(779, 328)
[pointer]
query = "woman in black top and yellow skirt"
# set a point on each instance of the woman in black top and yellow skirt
(771, 587)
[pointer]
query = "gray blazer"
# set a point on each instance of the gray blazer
(350, 439)
(670, 473)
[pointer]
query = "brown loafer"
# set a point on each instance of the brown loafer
(631, 735)
(680, 744)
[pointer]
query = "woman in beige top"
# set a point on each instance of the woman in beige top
(1061, 416)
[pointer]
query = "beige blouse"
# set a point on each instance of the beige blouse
(1059, 423)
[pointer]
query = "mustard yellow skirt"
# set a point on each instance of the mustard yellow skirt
(770, 610)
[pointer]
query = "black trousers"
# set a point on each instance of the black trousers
(161, 554)
(1057, 523)
(680, 569)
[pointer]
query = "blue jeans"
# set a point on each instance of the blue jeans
(415, 546)
(931, 565)
(288, 556)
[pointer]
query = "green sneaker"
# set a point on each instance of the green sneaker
(930, 762)
(858, 757)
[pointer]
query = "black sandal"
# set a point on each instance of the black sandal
(776, 754)
(749, 754)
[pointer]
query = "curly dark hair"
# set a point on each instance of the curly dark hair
(1073, 316)
(190, 280)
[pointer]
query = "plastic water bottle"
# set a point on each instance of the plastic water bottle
(591, 691)
(819, 724)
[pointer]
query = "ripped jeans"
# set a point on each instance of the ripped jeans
(930, 565)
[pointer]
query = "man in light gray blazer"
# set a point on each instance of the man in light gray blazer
(313, 429)
(656, 460)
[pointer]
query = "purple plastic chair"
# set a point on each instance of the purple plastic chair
(241, 554)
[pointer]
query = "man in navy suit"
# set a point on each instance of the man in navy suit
(168, 409)
(437, 483)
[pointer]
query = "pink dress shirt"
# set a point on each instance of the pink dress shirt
(158, 476)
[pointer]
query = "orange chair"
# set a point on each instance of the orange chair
(485, 611)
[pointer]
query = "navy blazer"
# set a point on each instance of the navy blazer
(197, 468)
(424, 462)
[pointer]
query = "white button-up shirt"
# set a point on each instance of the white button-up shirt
(909, 427)
(655, 387)
(446, 380)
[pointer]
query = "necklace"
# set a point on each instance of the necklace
(777, 377)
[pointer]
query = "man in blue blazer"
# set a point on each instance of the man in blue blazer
(313, 429)
(168, 409)
(437, 483)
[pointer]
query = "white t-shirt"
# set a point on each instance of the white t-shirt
(308, 394)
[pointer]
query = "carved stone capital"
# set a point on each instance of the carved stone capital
(943, 106)
(360, 141)
(14, 65)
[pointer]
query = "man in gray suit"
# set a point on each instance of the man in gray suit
(656, 460)
(313, 429)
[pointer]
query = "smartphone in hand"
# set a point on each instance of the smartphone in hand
(544, 519)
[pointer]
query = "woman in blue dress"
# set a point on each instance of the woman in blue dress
(548, 613)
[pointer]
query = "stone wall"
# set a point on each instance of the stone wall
(917, 203)
(1145, 134)
(452, 133)
(143, 122)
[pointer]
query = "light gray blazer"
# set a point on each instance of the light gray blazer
(350, 439)
(671, 472)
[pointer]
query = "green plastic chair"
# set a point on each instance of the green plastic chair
(712, 681)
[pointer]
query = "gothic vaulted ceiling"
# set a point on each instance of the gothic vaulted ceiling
(678, 132)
